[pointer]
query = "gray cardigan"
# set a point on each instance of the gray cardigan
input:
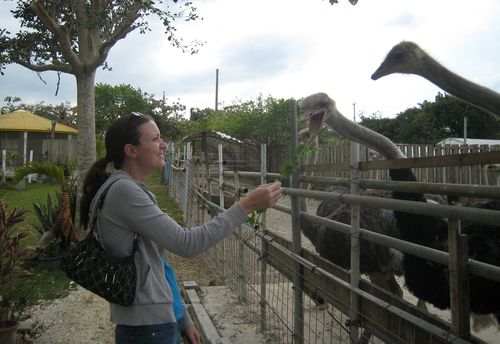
(127, 210)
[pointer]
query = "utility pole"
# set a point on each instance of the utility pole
(354, 108)
(216, 89)
(465, 130)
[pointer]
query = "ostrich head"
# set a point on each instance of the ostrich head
(317, 108)
(404, 57)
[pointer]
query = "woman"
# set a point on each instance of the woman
(130, 214)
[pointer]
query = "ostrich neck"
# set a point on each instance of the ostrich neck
(363, 135)
(460, 87)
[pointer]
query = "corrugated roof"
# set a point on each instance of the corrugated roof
(214, 134)
(22, 120)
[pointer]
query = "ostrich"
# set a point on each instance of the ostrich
(409, 58)
(425, 279)
(387, 262)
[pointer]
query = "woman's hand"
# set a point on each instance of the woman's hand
(264, 196)
(192, 336)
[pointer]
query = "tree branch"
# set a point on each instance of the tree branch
(61, 33)
(123, 29)
(64, 68)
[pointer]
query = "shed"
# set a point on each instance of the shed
(25, 136)
(236, 154)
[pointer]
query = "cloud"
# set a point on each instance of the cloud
(262, 57)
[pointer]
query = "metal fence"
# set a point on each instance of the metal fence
(296, 296)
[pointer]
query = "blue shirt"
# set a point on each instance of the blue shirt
(177, 304)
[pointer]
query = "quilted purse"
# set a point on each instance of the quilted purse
(89, 265)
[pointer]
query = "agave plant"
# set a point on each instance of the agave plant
(47, 216)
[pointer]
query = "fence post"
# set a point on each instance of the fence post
(264, 249)
(354, 307)
(187, 166)
(242, 273)
(4, 164)
(221, 203)
(298, 281)
(459, 281)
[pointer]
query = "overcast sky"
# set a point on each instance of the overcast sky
(293, 48)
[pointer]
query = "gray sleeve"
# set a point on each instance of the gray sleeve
(128, 206)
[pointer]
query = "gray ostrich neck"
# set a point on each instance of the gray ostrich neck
(459, 87)
(363, 135)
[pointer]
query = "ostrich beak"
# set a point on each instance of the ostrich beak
(379, 73)
(316, 120)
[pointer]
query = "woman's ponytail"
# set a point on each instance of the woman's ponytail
(96, 176)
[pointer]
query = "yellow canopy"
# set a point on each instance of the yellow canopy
(22, 120)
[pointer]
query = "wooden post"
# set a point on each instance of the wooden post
(459, 282)
(354, 307)
(298, 281)
(264, 248)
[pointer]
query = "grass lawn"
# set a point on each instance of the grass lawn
(40, 283)
(23, 199)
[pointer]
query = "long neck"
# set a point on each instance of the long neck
(378, 142)
(460, 87)
(368, 137)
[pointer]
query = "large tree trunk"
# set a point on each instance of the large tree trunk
(86, 141)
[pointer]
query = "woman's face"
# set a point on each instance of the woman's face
(151, 148)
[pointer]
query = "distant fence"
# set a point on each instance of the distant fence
(339, 155)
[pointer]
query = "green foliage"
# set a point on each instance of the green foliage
(39, 48)
(113, 102)
(431, 122)
(24, 199)
(166, 203)
(302, 150)
(256, 219)
(47, 216)
(45, 167)
(11, 254)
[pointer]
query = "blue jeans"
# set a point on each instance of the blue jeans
(149, 334)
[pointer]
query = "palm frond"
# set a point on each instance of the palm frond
(46, 168)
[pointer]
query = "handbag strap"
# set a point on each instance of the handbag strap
(100, 203)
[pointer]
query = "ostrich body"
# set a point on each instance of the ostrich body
(409, 58)
(425, 279)
(387, 262)
(379, 262)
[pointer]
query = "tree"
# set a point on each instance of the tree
(11, 104)
(64, 113)
(168, 117)
(431, 122)
(112, 102)
(75, 37)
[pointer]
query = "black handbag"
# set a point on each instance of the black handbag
(89, 265)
